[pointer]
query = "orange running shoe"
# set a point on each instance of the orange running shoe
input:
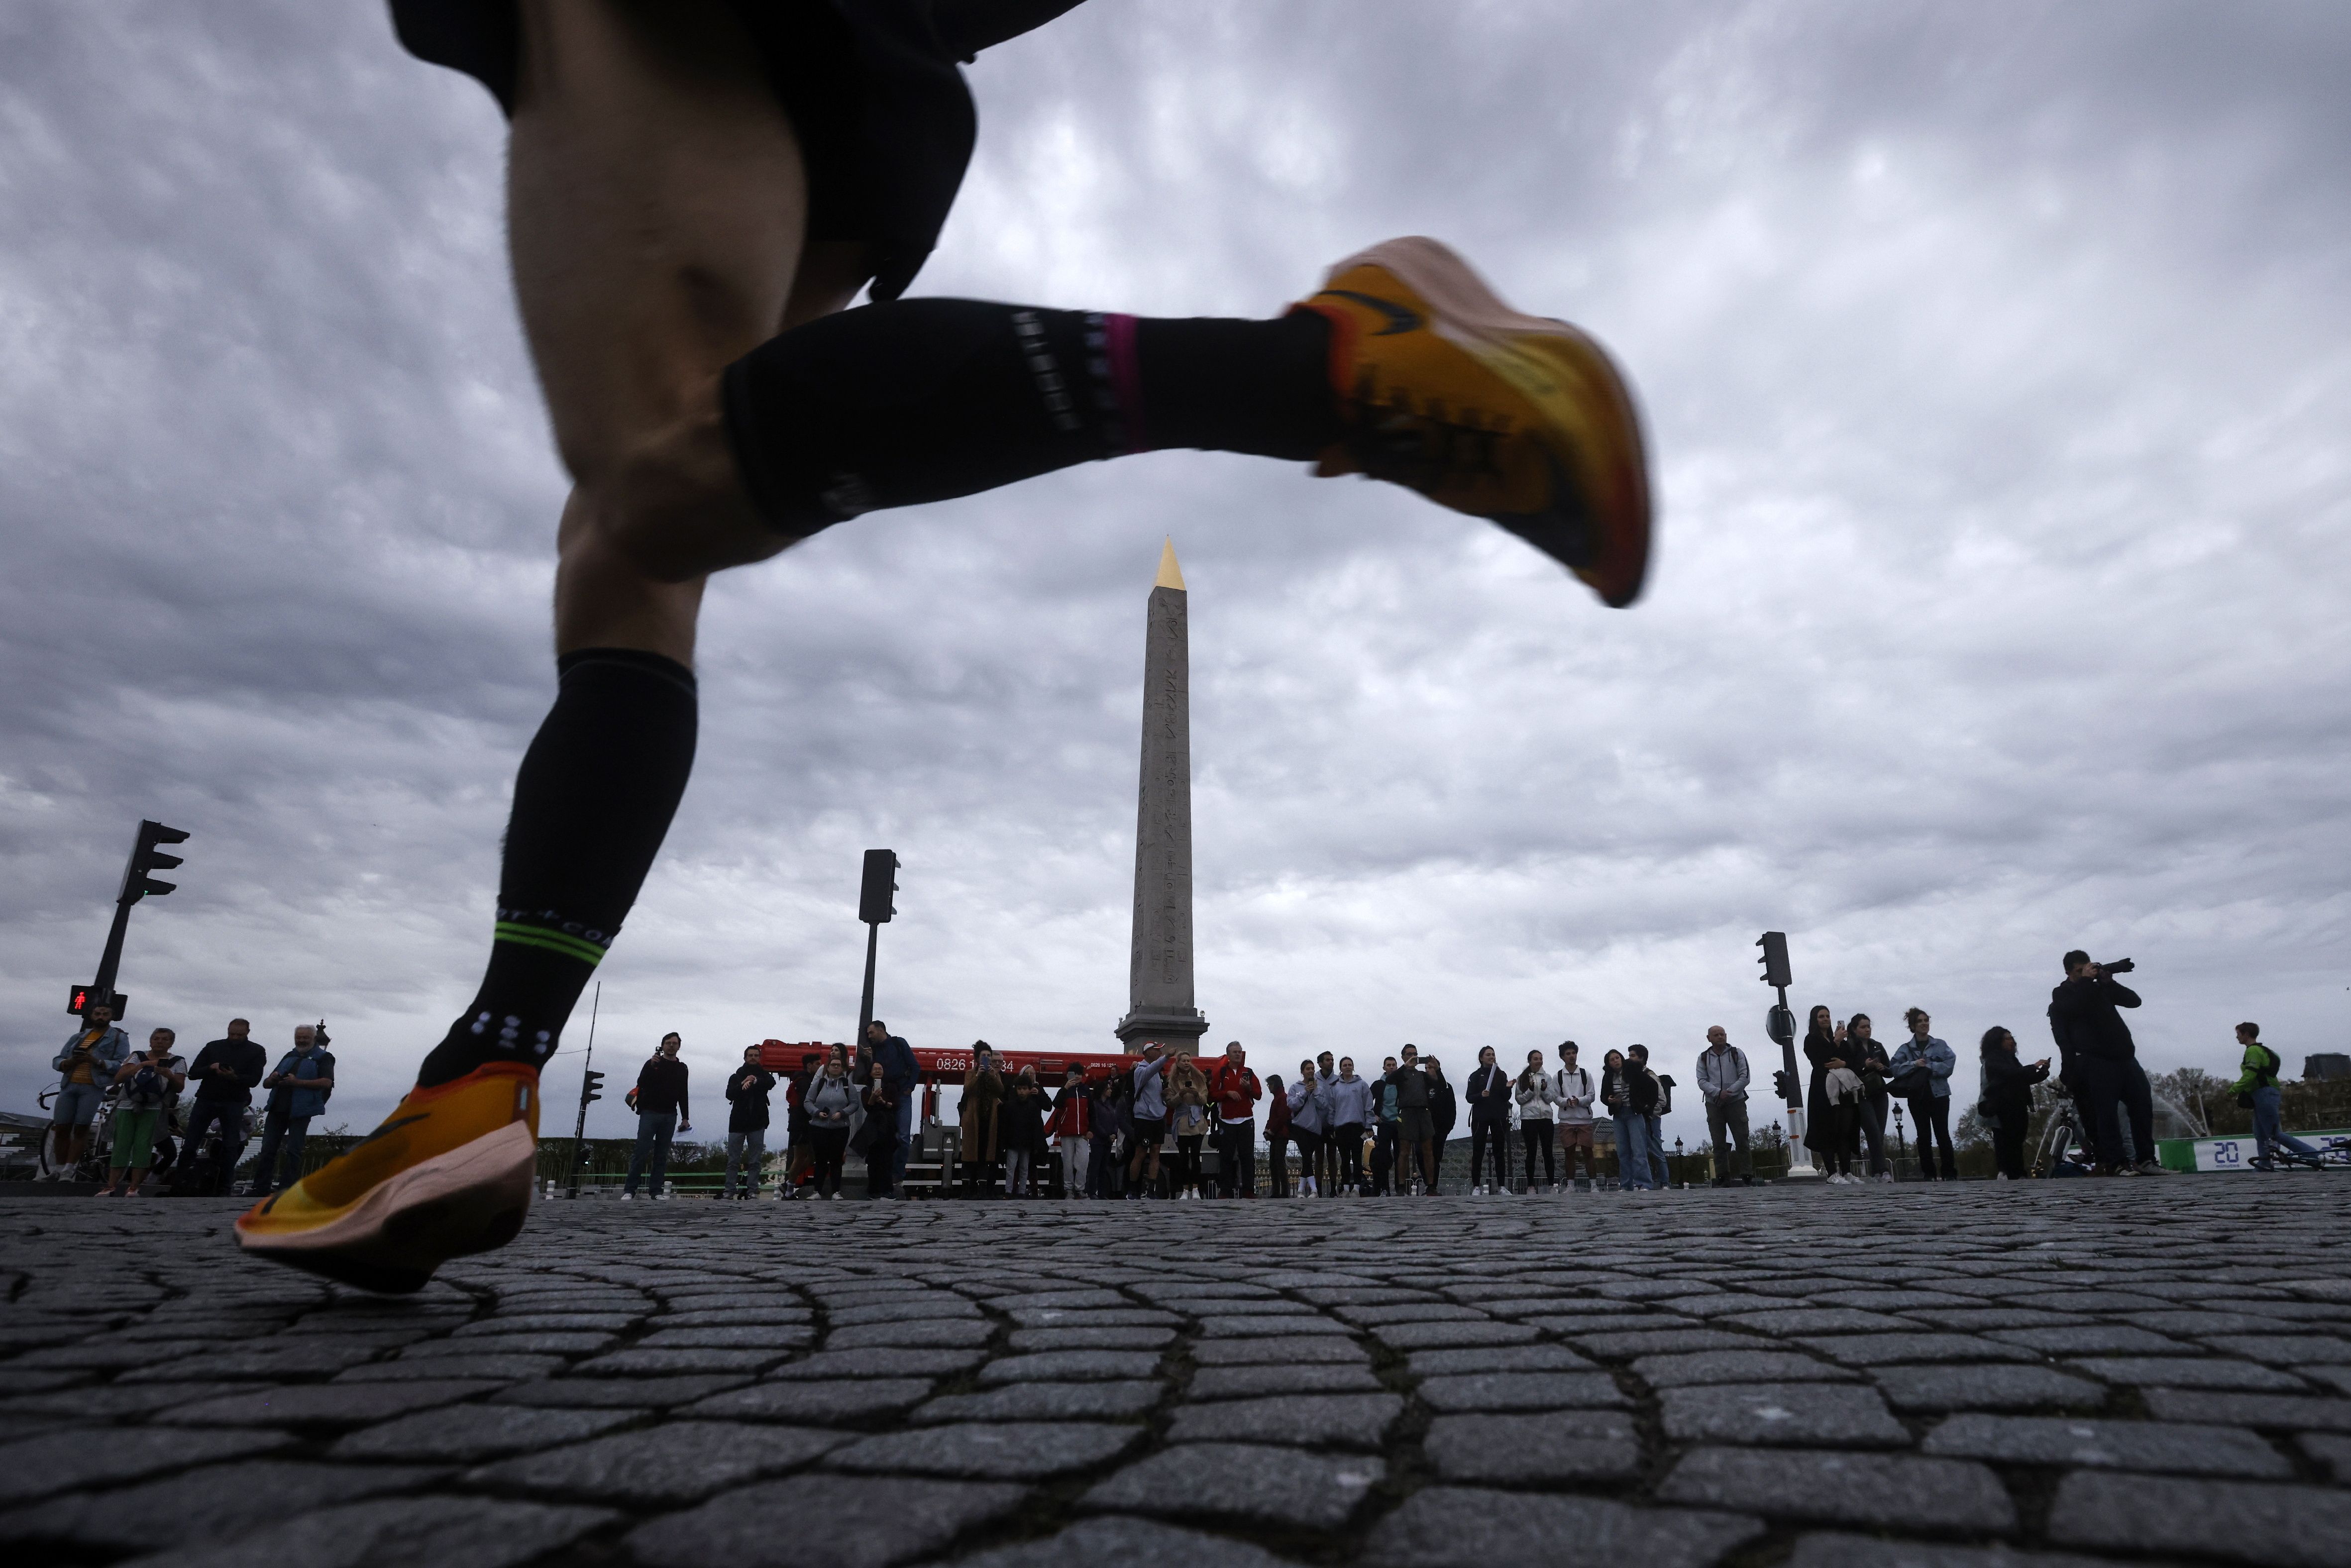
(1521, 420)
(449, 1172)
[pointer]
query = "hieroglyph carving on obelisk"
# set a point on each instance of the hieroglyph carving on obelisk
(1159, 973)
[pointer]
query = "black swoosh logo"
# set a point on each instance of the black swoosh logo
(1400, 319)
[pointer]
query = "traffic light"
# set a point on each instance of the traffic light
(591, 1085)
(1775, 958)
(874, 905)
(1782, 1086)
(145, 858)
(81, 998)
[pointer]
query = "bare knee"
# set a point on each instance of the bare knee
(670, 501)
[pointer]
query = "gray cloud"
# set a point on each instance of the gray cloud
(1995, 369)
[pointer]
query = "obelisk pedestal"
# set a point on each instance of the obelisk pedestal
(1159, 975)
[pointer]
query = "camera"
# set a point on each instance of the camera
(2119, 967)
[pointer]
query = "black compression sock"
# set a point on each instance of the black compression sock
(921, 400)
(591, 803)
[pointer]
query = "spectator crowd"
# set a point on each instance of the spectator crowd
(1143, 1127)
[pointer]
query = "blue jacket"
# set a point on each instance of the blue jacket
(293, 1099)
(1940, 1059)
(107, 1053)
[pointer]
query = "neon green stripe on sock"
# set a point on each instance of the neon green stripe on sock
(569, 946)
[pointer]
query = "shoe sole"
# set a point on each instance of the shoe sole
(1470, 314)
(471, 1199)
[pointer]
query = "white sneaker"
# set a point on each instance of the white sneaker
(628, 1198)
(1506, 1191)
(1885, 1176)
(2001, 1177)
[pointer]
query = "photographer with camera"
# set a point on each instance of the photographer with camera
(148, 1086)
(2101, 1062)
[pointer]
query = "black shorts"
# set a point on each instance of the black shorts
(1150, 1133)
(884, 121)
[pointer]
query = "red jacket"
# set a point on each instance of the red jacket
(1235, 1091)
(1073, 1114)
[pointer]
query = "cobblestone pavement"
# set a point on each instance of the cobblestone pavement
(2155, 1369)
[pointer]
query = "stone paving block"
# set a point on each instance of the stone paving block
(1262, 1326)
(1090, 1339)
(1453, 1335)
(2092, 1339)
(1979, 1320)
(1129, 1543)
(2185, 1372)
(2204, 1450)
(1819, 1320)
(989, 1451)
(38, 1466)
(546, 1341)
(1240, 1483)
(1281, 1348)
(1823, 1549)
(831, 1363)
(114, 1400)
(469, 1434)
(1663, 1342)
(1106, 1318)
(2337, 1377)
(1310, 1420)
(2201, 1321)
(2282, 1412)
(2284, 1349)
(1890, 1349)
(679, 1462)
(1521, 1391)
(1886, 1489)
(2245, 1521)
(1992, 1386)
(1311, 1377)
(1589, 1445)
(927, 1308)
(312, 1357)
(1046, 1402)
(735, 1336)
(490, 1366)
(322, 1404)
(737, 1317)
(896, 1518)
(438, 1532)
(933, 1333)
(614, 1392)
(546, 1322)
(819, 1403)
(1084, 1298)
(114, 1354)
(674, 1363)
(1410, 1312)
(1497, 1358)
(1071, 1366)
(1780, 1413)
(1465, 1527)
(1736, 1366)
(204, 1506)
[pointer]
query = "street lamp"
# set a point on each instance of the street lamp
(1901, 1147)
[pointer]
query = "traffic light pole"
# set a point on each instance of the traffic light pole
(587, 1092)
(1796, 1150)
(103, 987)
(865, 1006)
(146, 856)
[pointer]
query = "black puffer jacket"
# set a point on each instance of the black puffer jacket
(2085, 1021)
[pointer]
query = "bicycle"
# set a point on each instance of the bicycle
(92, 1167)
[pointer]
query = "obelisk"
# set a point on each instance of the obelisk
(1159, 973)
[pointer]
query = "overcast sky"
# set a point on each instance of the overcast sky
(1997, 364)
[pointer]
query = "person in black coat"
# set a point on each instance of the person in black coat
(1488, 1094)
(1443, 1111)
(1824, 1050)
(2008, 1098)
(2100, 1064)
(747, 1125)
